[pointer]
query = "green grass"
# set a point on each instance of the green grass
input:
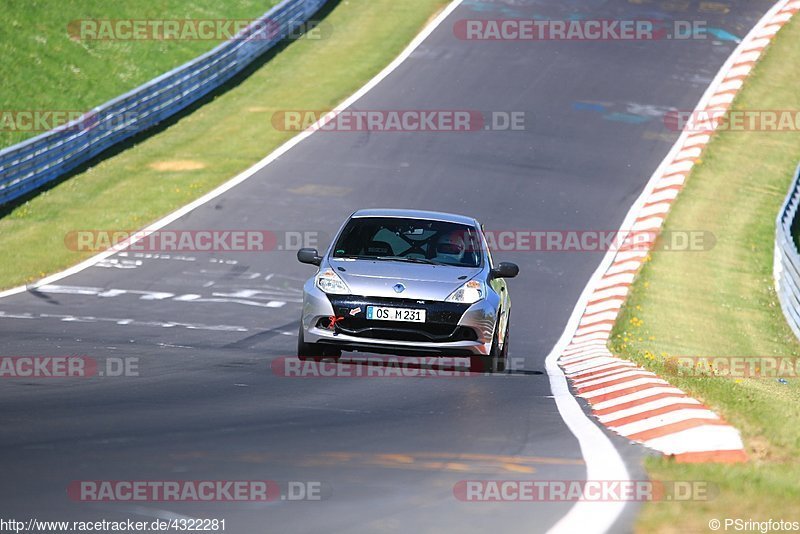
(42, 68)
(722, 302)
(212, 144)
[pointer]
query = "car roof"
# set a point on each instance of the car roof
(417, 214)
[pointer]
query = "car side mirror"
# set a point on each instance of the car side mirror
(505, 270)
(309, 256)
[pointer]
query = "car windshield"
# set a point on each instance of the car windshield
(412, 240)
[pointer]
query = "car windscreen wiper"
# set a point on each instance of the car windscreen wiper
(390, 258)
(409, 260)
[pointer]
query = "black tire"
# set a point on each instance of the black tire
(503, 362)
(314, 351)
(495, 361)
(485, 364)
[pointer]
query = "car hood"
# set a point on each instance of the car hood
(422, 282)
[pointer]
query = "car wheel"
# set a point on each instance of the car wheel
(495, 361)
(503, 361)
(314, 351)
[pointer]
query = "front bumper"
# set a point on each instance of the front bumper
(450, 329)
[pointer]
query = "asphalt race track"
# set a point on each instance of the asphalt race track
(386, 452)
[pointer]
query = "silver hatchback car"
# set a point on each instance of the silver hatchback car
(405, 281)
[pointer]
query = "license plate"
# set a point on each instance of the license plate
(381, 313)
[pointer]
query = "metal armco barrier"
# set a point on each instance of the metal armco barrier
(34, 162)
(787, 259)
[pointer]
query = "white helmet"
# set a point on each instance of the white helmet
(450, 248)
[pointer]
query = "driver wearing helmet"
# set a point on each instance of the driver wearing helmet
(450, 249)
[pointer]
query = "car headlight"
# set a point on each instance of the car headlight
(329, 282)
(471, 292)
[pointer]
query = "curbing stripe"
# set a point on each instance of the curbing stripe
(671, 428)
(636, 399)
(621, 389)
(608, 372)
(616, 413)
(718, 438)
(628, 393)
(616, 378)
(675, 404)
(658, 422)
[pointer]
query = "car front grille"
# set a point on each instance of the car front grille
(441, 324)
